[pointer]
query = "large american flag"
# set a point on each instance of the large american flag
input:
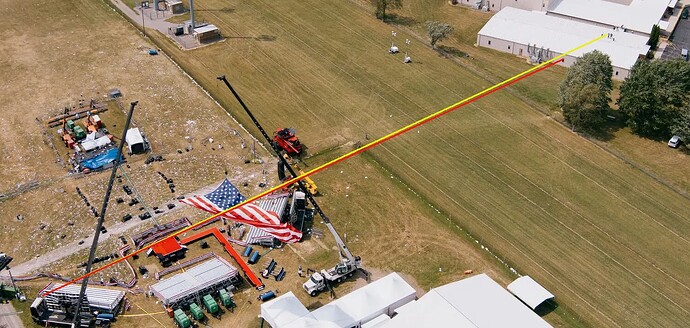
(227, 196)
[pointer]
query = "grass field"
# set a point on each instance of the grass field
(578, 219)
(104, 52)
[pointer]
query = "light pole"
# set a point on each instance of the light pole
(143, 26)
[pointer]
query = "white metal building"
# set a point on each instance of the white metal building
(197, 281)
(534, 34)
(474, 302)
(381, 297)
(632, 16)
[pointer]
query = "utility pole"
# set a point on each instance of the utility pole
(142, 21)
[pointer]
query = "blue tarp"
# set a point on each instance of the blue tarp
(100, 160)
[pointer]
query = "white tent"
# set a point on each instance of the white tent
(529, 291)
(283, 310)
(475, 302)
(135, 141)
(381, 297)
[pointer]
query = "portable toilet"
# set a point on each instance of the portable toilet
(181, 319)
(196, 312)
(254, 257)
(210, 304)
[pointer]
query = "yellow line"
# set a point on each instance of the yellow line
(141, 314)
(149, 314)
(379, 140)
(349, 154)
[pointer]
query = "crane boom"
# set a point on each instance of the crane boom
(343, 248)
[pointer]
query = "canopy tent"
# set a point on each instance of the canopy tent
(135, 141)
(100, 160)
(91, 142)
(529, 291)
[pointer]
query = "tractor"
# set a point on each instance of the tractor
(285, 139)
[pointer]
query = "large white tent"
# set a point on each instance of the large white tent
(381, 297)
(475, 302)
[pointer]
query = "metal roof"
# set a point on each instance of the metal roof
(205, 29)
(275, 203)
(474, 302)
(133, 136)
(97, 297)
(197, 278)
(166, 246)
(639, 15)
(560, 35)
(529, 291)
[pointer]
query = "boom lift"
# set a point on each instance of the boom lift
(348, 264)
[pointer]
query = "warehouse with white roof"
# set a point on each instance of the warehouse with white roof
(540, 37)
(632, 16)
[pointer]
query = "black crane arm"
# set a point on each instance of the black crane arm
(300, 183)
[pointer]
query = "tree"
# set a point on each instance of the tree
(437, 31)
(383, 5)
(654, 37)
(654, 95)
(585, 92)
(681, 125)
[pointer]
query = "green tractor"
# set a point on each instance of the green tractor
(226, 299)
(197, 313)
(181, 319)
(211, 306)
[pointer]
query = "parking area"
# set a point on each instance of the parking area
(679, 40)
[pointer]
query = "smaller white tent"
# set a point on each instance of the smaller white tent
(283, 310)
(135, 141)
(529, 291)
(381, 297)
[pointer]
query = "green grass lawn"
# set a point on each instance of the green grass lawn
(588, 226)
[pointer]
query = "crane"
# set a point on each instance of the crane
(349, 263)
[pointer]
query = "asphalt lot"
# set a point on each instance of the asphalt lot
(680, 40)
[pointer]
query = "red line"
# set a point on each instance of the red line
(295, 179)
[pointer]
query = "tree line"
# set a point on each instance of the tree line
(654, 99)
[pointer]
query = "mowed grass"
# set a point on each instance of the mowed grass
(606, 238)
